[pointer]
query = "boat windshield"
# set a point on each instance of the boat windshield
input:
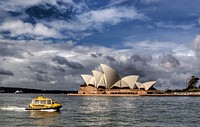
(48, 101)
(41, 102)
(35, 102)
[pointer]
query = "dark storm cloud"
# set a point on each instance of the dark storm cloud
(96, 55)
(39, 67)
(110, 59)
(125, 69)
(41, 71)
(5, 72)
(135, 64)
(170, 60)
(50, 12)
(59, 68)
(42, 77)
(62, 61)
(139, 59)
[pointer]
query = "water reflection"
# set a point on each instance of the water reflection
(44, 118)
(105, 104)
(102, 111)
(95, 104)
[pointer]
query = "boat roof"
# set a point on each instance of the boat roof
(41, 98)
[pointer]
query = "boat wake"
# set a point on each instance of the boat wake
(12, 108)
(49, 110)
(19, 109)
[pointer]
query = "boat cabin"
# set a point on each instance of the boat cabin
(42, 101)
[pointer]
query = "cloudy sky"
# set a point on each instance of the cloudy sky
(48, 44)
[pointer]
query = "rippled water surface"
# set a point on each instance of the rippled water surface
(102, 111)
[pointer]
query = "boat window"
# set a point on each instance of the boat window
(42, 102)
(48, 101)
(36, 101)
(33, 101)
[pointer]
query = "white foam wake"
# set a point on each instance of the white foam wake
(49, 110)
(12, 108)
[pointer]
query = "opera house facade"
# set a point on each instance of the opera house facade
(108, 82)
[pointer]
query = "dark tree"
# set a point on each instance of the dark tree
(192, 82)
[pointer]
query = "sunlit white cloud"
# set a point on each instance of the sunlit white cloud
(151, 45)
(96, 18)
(155, 47)
(19, 27)
(174, 26)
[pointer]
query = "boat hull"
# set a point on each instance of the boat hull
(39, 108)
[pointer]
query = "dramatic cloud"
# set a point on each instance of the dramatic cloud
(49, 44)
(54, 65)
(97, 20)
(63, 61)
(5, 72)
(13, 5)
(168, 61)
(110, 59)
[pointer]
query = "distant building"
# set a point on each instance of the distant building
(109, 82)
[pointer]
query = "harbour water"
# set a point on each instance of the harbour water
(83, 111)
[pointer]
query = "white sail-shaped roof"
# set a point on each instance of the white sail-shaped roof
(130, 80)
(87, 78)
(97, 76)
(111, 76)
(124, 84)
(138, 84)
(102, 81)
(120, 84)
(148, 85)
(92, 81)
(117, 84)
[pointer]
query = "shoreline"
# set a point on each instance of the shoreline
(137, 95)
(105, 95)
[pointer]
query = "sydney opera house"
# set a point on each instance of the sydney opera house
(108, 82)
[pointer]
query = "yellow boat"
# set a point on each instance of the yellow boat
(42, 103)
